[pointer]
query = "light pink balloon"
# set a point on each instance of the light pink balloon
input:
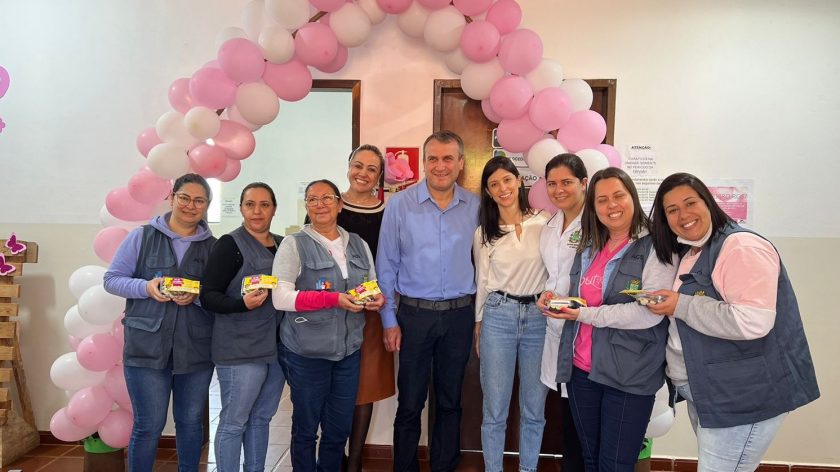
(472, 7)
(518, 134)
(550, 109)
(236, 140)
(480, 41)
(74, 341)
(489, 112)
(290, 81)
(327, 5)
(115, 429)
(107, 241)
(241, 60)
(338, 63)
(521, 51)
(394, 7)
(208, 161)
(234, 114)
(89, 406)
(212, 88)
(65, 430)
(613, 156)
(316, 44)
(146, 187)
(585, 129)
(115, 385)
(538, 197)
(231, 170)
(120, 204)
(98, 352)
(433, 4)
(146, 140)
(506, 15)
(179, 95)
(511, 96)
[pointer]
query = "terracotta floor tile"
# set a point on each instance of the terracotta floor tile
(52, 450)
(27, 464)
(65, 464)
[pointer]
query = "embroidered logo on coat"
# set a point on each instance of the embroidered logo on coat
(574, 239)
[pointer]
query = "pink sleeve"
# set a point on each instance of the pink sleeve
(312, 300)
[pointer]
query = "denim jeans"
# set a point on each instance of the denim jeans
(436, 342)
(323, 394)
(511, 333)
(250, 397)
(149, 390)
(738, 448)
(611, 424)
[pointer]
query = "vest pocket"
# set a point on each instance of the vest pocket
(142, 337)
(739, 386)
(312, 335)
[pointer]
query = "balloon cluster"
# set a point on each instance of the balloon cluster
(92, 374)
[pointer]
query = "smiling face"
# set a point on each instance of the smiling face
(192, 212)
(614, 206)
(364, 171)
(565, 191)
(257, 210)
(688, 215)
(324, 209)
(503, 188)
(442, 164)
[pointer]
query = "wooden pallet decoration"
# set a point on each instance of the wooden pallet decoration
(18, 434)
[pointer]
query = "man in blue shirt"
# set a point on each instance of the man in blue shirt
(424, 257)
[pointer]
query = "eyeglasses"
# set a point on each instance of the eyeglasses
(326, 200)
(184, 200)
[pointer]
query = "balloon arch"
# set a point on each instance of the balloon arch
(215, 112)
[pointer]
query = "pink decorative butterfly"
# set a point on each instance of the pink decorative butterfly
(5, 269)
(14, 246)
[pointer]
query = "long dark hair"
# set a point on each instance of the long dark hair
(488, 213)
(664, 240)
(375, 150)
(593, 232)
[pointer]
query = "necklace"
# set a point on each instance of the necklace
(366, 201)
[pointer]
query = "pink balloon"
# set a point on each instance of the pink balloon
(433, 4)
(208, 161)
(107, 241)
(233, 114)
(511, 96)
(89, 406)
(338, 63)
(480, 41)
(613, 156)
(550, 109)
(327, 5)
(518, 134)
(120, 204)
(521, 51)
(74, 341)
(241, 60)
(489, 112)
(115, 429)
(394, 7)
(115, 385)
(506, 15)
(65, 430)
(179, 95)
(146, 140)
(290, 81)
(585, 129)
(472, 7)
(235, 139)
(538, 197)
(98, 352)
(316, 44)
(212, 88)
(231, 170)
(146, 187)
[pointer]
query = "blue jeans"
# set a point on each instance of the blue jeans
(149, 390)
(611, 424)
(250, 396)
(738, 448)
(511, 331)
(439, 342)
(323, 394)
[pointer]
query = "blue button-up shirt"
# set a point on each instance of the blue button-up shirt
(425, 251)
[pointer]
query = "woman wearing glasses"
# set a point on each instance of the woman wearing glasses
(167, 337)
(322, 331)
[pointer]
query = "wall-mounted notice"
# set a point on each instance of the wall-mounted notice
(640, 160)
(734, 197)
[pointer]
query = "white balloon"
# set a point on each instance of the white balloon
(229, 33)
(412, 22)
(202, 123)
(75, 325)
(290, 14)
(170, 128)
(580, 93)
(254, 18)
(107, 219)
(593, 160)
(96, 306)
(660, 424)
(374, 13)
(351, 25)
(233, 114)
(84, 278)
(443, 29)
(541, 152)
(456, 61)
(549, 73)
(168, 161)
(257, 103)
(66, 373)
(478, 79)
(277, 44)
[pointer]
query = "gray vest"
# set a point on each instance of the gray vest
(154, 331)
(334, 333)
(251, 336)
(630, 360)
(744, 382)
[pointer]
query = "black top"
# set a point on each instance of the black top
(364, 221)
(224, 262)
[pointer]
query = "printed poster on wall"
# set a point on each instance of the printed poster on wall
(518, 158)
(734, 197)
(640, 160)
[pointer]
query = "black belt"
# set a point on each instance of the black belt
(437, 305)
(523, 299)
